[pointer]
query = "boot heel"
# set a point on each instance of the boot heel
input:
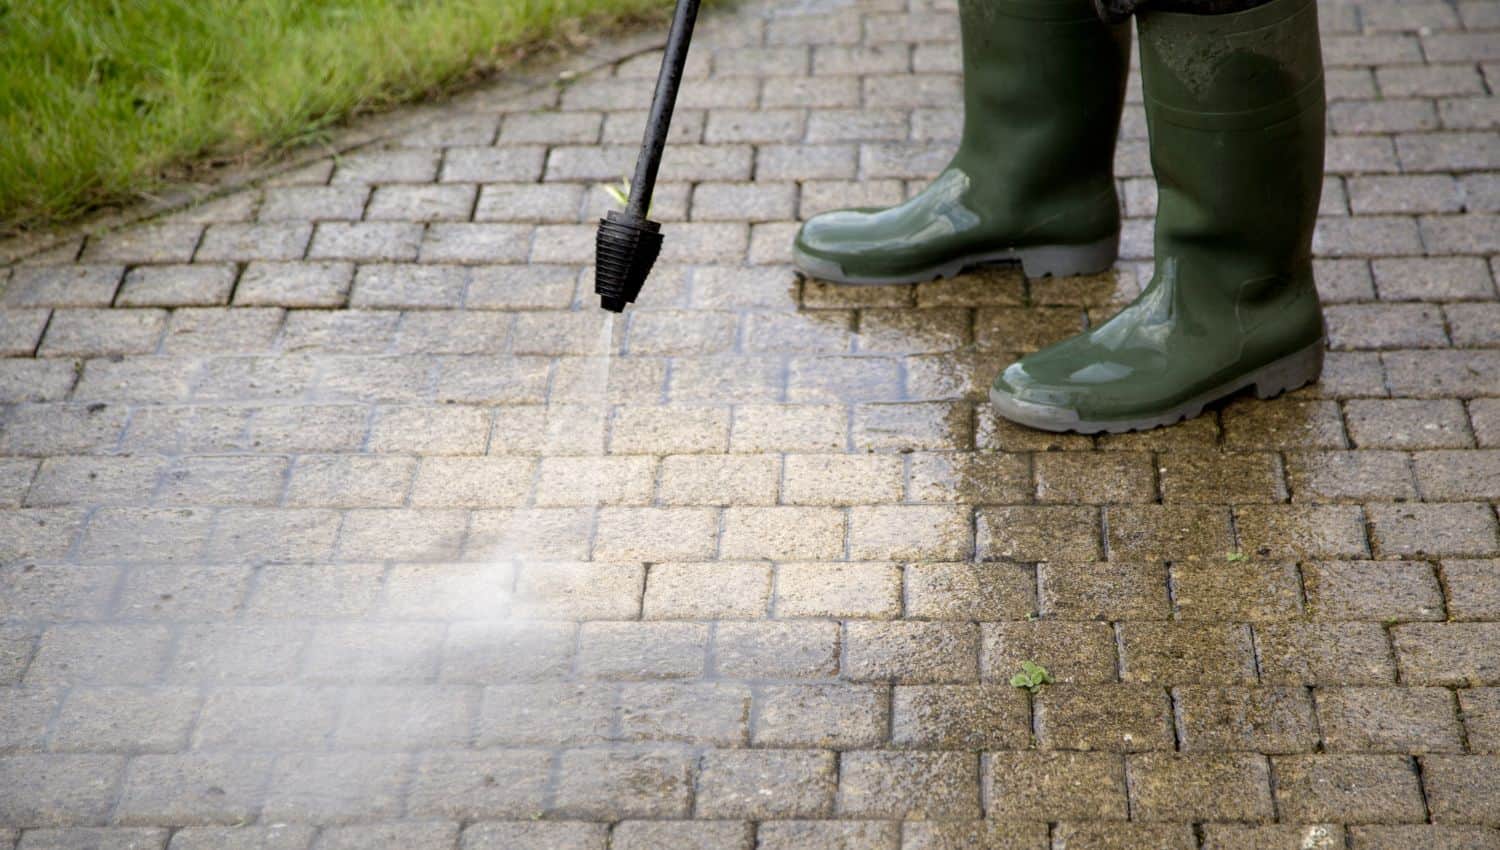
(1069, 260)
(1290, 372)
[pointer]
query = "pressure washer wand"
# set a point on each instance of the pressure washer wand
(628, 242)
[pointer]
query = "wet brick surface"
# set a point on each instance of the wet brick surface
(324, 524)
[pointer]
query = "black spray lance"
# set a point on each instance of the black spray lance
(628, 242)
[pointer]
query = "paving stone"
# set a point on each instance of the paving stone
(104, 654)
(58, 790)
(827, 716)
(1074, 653)
(1405, 837)
(1371, 590)
(1265, 719)
(294, 284)
(63, 286)
(1480, 708)
(1116, 718)
(313, 203)
(239, 242)
(469, 785)
(26, 714)
(361, 652)
(1402, 720)
(969, 591)
(97, 333)
(1447, 653)
(1055, 785)
(535, 835)
(828, 835)
(335, 787)
(1408, 424)
(192, 789)
(1110, 590)
(1107, 836)
(94, 838)
(920, 785)
(418, 835)
(1324, 654)
(718, 591)
(709, 713)
(1169, 786)
(266, 718)
(1220, 477)
(1473, 593)
(776, 650)
(1058, 532)
(255, 653)
(1229, 836)
(498, 651)
(1153, 531)
(623, 783)
(1458, 528)
(642, 650)
(741, 783)
(125, 720)
(689, 835)
(177, 285)
(1302, 531)
(1246, 590)
(915, 652)
(273, 837)
(1348, 789)
(871, 590)
(1186, 653)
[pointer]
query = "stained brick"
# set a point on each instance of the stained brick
(1348, 789)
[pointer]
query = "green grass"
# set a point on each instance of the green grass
(100, 100)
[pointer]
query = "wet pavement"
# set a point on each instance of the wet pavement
(334, 515)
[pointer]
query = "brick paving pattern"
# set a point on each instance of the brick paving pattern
(318, 529)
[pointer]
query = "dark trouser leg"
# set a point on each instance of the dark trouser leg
(1115, 11)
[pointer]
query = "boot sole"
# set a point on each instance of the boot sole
(1279, 376)
(1041, 261)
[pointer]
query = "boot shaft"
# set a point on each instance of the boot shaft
(1235, 109)
(1044, 83)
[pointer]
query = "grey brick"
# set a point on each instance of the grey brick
(413, 165)
(623, 783)
(250, 242)
(313, 203)
(469, 785)
(125, 720)
(58, 790)
(95, 333)
(745, 784)
(147, 243)
(63, 286)
(192, 789)
(366, 241)
(294, 284)
(177, 285)
(335, 787)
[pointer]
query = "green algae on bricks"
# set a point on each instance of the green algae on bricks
(1235, 109)
(1032, 180)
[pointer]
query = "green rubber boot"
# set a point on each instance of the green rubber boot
(1032, 180)
(1235, 108)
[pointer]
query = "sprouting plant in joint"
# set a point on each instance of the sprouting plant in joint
(1235, 557)
(1031, 677)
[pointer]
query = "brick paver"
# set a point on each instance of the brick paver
(324, 524)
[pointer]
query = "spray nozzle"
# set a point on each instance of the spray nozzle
(625, 249)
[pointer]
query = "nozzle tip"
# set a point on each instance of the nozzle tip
(614, 305)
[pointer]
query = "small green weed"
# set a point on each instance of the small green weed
(1031, 677)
